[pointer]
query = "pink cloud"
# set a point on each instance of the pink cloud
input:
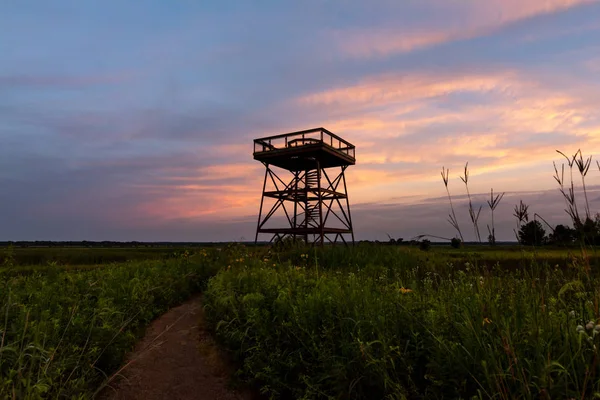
(522, 120)
(394, 87)
(478, 18)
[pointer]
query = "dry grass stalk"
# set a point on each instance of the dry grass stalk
(474, 215)
(522, 215)
(569, 192)
(583, 166)
(493, 203)
(451, 217)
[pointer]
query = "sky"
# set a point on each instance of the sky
(134, 121)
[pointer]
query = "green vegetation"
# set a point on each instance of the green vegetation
(84, 256)
(397, 322)
(64, 331)
(370, 321)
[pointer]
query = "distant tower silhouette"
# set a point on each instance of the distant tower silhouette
(310, 205)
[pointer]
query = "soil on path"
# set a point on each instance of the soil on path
(177, 359)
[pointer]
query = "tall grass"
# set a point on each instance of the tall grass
(452, 216)
(493, 204)
(521, 213)
(584, 166)
(318, 328)
(474, 215)
(63, 332)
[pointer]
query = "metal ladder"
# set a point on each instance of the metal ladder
(312, 210)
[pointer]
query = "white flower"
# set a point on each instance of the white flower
(590, 325)
(572, 313)
(580, 328)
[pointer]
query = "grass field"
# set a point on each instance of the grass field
(397, 322)
(64, 330)
(77, 256)
(359, 322)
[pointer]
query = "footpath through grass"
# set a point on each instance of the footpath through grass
(375, 322)
(63, 332)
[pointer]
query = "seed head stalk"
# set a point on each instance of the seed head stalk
(452, 217)
(583, 166)
(493, 203)
(474, 215)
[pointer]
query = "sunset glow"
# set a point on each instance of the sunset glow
(126, 123)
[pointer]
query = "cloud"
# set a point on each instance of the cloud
(383, 89)
(506, 116)
(61, 81)
(593, 64)
(166, 150)
(477, 18)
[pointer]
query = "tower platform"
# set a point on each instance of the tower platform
(298, 151)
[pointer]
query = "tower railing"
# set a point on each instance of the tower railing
(318, 136)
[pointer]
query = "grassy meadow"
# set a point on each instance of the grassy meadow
(394, 322)
(66, 324)
(363, 322)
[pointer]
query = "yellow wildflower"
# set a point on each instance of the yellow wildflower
(486, 320)
(404, 290)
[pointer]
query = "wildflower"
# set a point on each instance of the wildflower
(597, 328)
(590, 325)
(486, 320)
(572, 313)
(580, 329)
(404, 290)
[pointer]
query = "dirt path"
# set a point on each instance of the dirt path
(177, 359)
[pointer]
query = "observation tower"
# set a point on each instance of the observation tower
(299, 197)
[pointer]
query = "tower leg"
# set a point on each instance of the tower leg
(295, 197)
(262, 199)
(348, 204)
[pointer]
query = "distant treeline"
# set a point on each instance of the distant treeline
(136, 244)
(105, 244)
(414, 242)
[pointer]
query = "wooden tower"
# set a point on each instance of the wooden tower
(309, 204)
